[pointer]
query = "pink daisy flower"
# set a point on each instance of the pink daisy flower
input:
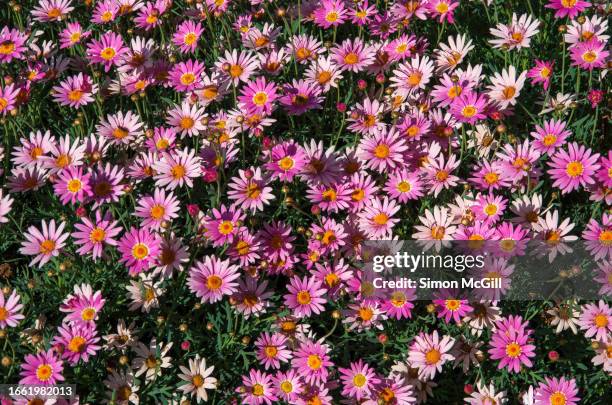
(404, 185)
(257, 389)
(276, 240)
(108, 50)
(75, 91)
(604, 174)
(78, 342)
(121, 128)
(213, 278)
(365, 117)
(312, 361)
(33, 150)
(376, 219)
(469, 107)
(567, 8)
(139, 249)
(557, 391)
(489, 176)
(272, 350)
(106, 184)
(6, 201)
(187, 35)
(305, 296)
(589, 55)
(286, 160)
(439, 174)
(223, 225)
(92, 236)
(541, 73)
(12, 44)
(353, 55)
(382, 151)
(249, 190)
(288, 385)
(186, 76)
(236, 66)
(489, 208)
(428, 353)
(252, 298)
(450, 306)
(149, 15)
(177, 169)
(72, 185)
(51, 10)
(44, 368)
(10, 310)
(73, 34)
(44, 244)
(83, 306)
(157, 209)
(301, 96)
(358, 381)
(596, 320)
(599, 237)
(573, 168)
(442, 9)
(106, 11)
(186, 119)
(330, 13)
(399, 304)
(8, 98)
(258, 96)
(551, 136)
(510, 344)
(412, 75)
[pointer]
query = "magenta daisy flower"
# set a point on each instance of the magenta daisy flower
(450, 306)
(249, 190)
(489, 176)
(72, 185)
(330, 13)
(301, 96)
(358, 381)
(83, 306)
(305, 296)
(75, 91)
(106, 184)
(272, 350)
(258, 96)
(567, 8)
(286, 160)
(573, 168)
(106, 11)
(376, 219)
(557, 391)
(442, 9)
(331, 198)
(288, 385)
(187, 35)
(312, 361)
(428, 353)
(139, 249)
(257, 389)
(121, 128)
(157, 209)
(51, 10)
(33, 150)
(469, 107)
(8, 98)
(44, 368)
(92, 236)
(404, 185)
(177, 169)
(399, 304)
(365, 117)
(489, 208)
(44, 244)
(276, 240)
(10, 310)
(412, 75)
(78, 342)
(596, 320)
(353, 55)
(108, 50)
(236, 66)
(186, 76)
(510, 344)
(550, 136)
(382, 151)
(73, 34)
(541, 73)
(599, 237)
(589, 55)
(604, 174)
(223, 225)
(213, 278)
(149, 15)
(12, 44)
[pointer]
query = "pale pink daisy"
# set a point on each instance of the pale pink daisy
(157, 209)
(187, 119)
(10, 310)
(428, 353)
(177, 169)
(92, 236)
(596, 320)
(305, 296)
(212, 278)
(44, 244)
(506, 87)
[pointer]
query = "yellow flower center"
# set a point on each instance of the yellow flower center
(190, 38)
(549, 139)
(235, 71)
(7, 47)
(187, 79)
(441, 175)
(589, 56)
(557, 398)
(366, 314)
(47, 246)
(97, 235)
(286, 387)
(3, 103)
(197, 380)
(403, 187)
(491, 178)
(433, 356)
(4, 314)
(513, 350)
(63, 160)
(574, 169)
(270, 351)
(106, 16)
(351, 58)
(214, 282)
(509, 92)
(517, 36)
(303, 297)
(490, 209)
(380, 219)
(88, 314)
(187, 123)
(77, 344)
(108, 53)
(324, 77)
(225, 227)
(437, 232)
(74, 185)
(331, 17)
(414, 79)
(568, 3)
(359, 380)
(469, 111)
(314, 362)
(260, 98)
(44, 372)
(140, 251)
(178, 172)
(253, 191)
(75, 95)
(303, 53)
(544, 73)
(286, 163)
(382, 151)
(157, 212)
(601, 320)
(75, 37)
(452, 305)
(442, 7)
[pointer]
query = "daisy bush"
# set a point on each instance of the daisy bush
(186, 186)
